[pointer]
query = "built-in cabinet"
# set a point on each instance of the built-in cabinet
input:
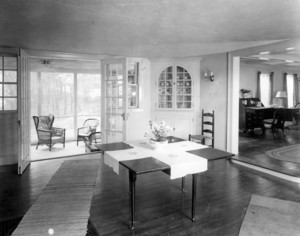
(175, 88)
(176, 94)
(251, 115)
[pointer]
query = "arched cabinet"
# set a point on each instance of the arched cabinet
(176, 94)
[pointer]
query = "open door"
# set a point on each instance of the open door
(114, 105)
(23, 112)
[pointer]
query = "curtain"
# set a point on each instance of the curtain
(296, 87)
(258, 85)
(285, 102)
(265, 87)
(284, 82)
(271, 87)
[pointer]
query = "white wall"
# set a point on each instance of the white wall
(208, 95)
(183, 121)
(248, 77)
(213, 95)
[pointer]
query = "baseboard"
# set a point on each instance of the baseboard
(268, 171)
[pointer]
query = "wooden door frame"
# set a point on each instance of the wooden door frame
(53, 55)
(233, 75)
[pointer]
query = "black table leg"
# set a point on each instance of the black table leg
(182, 183)
(194, 191)
(132, 179)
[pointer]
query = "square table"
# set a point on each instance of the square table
(139, 158)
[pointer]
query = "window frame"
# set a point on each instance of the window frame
(76, 75)
(135, 84)
(3, 83)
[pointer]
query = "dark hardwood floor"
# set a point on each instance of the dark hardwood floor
(253, 145)
(162, 209)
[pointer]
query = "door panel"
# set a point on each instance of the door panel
(114, 105)
(23, 112)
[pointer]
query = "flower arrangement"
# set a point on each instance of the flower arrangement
(246, 93)
(159, 132)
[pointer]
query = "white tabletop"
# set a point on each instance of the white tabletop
(175, 155)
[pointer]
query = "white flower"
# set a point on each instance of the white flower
(158, 132)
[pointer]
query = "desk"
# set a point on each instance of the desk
(139, 158)
(254, 116)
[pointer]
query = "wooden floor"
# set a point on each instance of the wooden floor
(162, 209)
(253, 145)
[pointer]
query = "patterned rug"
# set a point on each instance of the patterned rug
(288, 153)
(271, 216)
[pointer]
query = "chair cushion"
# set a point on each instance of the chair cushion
(44, 122)
(288, 123)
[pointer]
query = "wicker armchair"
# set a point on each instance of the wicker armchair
(46, 133)
(89, 127)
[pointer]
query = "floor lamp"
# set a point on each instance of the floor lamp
(282, 96)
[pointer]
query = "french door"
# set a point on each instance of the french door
(23, 112)
(114, 104)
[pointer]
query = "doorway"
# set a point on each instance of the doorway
(70, 90)
(253, 147)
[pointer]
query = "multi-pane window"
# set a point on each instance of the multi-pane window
(8, 83)
(265, 89)
(133, 85)
(70, 97)
(290, 90)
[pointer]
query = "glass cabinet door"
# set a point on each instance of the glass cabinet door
(175, 88)
(165, 89)
(184, 89)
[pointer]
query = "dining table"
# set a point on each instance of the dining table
(178, 159)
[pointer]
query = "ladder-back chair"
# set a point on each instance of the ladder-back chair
(207, 129)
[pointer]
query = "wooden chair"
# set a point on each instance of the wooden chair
(282, 119)
(207, 129)
(46, 133)
(297, 114)
(91, 141)
(89, 127)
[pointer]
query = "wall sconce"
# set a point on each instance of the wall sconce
(209, 75)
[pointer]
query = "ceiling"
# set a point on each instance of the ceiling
(153, 28)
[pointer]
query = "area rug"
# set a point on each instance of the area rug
(63, 207)
(288, 153)
(271, 216)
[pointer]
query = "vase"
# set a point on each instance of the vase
(158, 144)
